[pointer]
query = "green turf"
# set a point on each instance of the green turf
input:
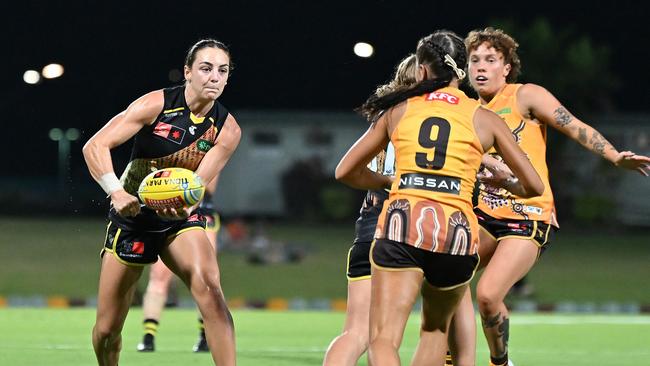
(62, 337)
(597, 266)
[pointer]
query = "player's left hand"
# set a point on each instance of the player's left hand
(173, 213)
(632, 161)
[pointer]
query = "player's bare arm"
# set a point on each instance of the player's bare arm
(217, 157)
(542, 105)
(352, 169)
(118, 130)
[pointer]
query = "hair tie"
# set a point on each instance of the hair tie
(450, 61)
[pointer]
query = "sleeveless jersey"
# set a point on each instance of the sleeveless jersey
(438, 154)
(177, 138)
(364, 228)
(531, 137)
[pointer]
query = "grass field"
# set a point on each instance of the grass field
(592, 267)
(62, 337)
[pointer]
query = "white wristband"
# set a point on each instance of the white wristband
(110, 183)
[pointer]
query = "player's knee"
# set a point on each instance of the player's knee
(488, 301)
(160, 277)
(206, 282)
(207, 285)
(106, 332)
(358, 336)
(160, 288)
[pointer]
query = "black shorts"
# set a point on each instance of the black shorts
(212, 219)
(537, 231)
(441, 270)
(139, 240)
(358, 267)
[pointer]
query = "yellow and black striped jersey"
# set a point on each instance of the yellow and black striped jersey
(177, 138)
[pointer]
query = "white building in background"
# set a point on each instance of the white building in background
(271, 142)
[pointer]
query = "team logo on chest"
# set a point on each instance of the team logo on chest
(203, 145)
(169, 132)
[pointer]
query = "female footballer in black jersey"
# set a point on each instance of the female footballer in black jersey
(184, 127)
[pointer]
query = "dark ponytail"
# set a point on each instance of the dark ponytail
(372, 108)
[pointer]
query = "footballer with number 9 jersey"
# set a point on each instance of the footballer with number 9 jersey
(182, 127)
(427, 233)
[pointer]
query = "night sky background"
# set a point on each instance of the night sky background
(288, 55)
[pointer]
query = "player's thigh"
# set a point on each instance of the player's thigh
(512, 259)
(438, 306)
(358, 305)
(190, 253)
(486, 248)
(393, 295)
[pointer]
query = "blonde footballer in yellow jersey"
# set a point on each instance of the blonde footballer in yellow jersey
(426, 237)
(515, 229)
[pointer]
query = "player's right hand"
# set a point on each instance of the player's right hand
(126, 205)
(497, 175)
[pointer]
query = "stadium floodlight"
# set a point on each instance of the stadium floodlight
(52, 71)
(363, 49)
(31, 77)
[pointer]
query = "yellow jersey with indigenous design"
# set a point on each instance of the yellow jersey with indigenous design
(438, 155)
(531, 137)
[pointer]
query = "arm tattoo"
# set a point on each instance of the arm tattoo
(599, 143)
(562, 116)
(582, 135)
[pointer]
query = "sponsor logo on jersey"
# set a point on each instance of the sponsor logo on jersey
(445, 97)
(204, 145)
(192, 130)
(169, 132)
(430, 182)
